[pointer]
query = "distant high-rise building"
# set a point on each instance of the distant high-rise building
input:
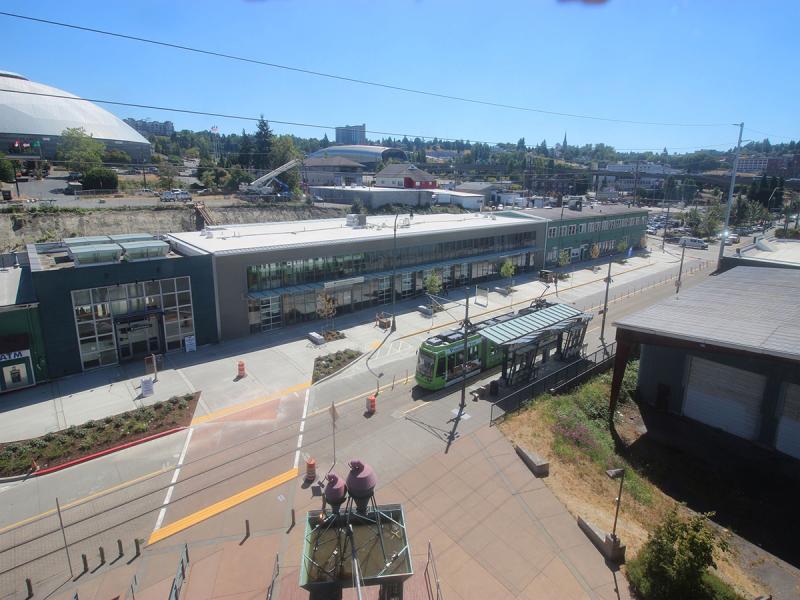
(351, 134)
(165, 128)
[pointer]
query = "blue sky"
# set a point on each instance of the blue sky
(710, 61)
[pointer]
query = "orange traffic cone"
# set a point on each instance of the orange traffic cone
(311, 469)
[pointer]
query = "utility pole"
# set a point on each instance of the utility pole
(463, 404)
(666, 223)
(605, 306)
(730, 198)
(680, 271)
(636, 185)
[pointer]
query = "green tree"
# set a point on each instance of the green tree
(80, 150)
(263, 145)
(675, 560)
(521, 147)
(6, 171)
(622, 246)
(693, 220)
(739, 210)
(357, 207)
(167, 175)
(325, 141)
(245, 151)
(563, 258)
(282, 152)
(100, 178)
(326, 309)
(236, 176)
(711, 222)
(119, 157)
(433, 283)
(507, 270)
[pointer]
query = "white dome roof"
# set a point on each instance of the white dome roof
(26, 114)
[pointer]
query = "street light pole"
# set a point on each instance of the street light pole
(730, 197)
(394, 273)
(616, 474)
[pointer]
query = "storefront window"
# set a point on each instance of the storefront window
(127, 320)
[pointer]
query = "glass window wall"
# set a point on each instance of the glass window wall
(122, 321)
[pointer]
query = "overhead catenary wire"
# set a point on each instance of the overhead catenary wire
(280, 122)
(377, 84)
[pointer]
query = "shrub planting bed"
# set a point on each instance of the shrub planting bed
(58, 447)
(331, 363)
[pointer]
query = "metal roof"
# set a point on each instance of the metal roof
(86, 241)
(144, 244)
(84, 250)
(131, 237)
(519, 327)
(751, 309)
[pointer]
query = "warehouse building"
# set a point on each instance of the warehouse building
(725, 353)
(269, 275)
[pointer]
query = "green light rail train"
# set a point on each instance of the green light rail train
(536, 332)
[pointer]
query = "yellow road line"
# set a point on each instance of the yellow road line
(375, 344)
(221, 506)
(231, 410)
(108, 490)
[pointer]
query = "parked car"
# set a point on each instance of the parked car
(733, 238)
(167, 197)
(692, 242)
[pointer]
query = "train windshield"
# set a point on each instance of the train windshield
(425, 363)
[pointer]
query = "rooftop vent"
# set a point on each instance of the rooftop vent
(356, 221)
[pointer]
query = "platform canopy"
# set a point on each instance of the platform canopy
(513, 330)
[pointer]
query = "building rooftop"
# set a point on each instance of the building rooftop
(775, 251)
(331, 161)
(361, 153)
(599, 210)
(752, 309)
(15, 286)
(236, 239)
(477, 186)
(405, 170)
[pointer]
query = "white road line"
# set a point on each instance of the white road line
(168, 496)
(302, 428)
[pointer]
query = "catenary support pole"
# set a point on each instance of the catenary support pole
(64, 535)
(463, 404)
(605, 307)
(730, 197)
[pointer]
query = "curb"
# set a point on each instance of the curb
(88, 457)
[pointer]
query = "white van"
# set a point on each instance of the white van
(690, 242)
